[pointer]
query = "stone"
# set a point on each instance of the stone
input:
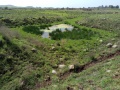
(109, 45)
(101, 41)
(61, 66)
(108, 71)
(33, 50)
(54, 72)
(53, 48)
(114, 46)
(71, 67)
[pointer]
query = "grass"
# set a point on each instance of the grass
(27, 58)
(103, 76)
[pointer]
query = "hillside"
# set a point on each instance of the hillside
(85, 58)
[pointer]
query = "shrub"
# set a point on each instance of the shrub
(32, 29)
(74, 34)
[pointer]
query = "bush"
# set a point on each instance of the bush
(33, 30)
(74, 34)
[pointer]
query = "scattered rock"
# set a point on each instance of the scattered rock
(61, 66)
(54, 72)
(108, 71)
(71, 67)
(114, 46)
(101, 41)
(109, 45)
(33, 50)
(53, 48)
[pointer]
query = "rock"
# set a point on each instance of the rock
(109, 45)
(101, 41)
(54, 72)
(33, 50)
(53, 48)
(114, 46)
(108, 71)
(61, 66)
(71, 67)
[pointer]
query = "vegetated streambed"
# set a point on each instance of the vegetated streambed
(61, 27)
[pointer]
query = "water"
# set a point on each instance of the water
(61, 27)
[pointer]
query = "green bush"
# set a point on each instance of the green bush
(74, 34)
(32, 30)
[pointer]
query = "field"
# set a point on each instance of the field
(86, 58)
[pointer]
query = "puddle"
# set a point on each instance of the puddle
(61, 27)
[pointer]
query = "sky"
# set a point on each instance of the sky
(60, 3)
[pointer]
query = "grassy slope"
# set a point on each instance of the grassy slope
(27, 72)
(102, 76)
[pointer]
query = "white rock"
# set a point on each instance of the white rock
(61, 66)
(101, 41)
(33, 50)
(114, 46)
(108, 71)
(109, 45)
(54, 72)
(53, 48)
(71, 66)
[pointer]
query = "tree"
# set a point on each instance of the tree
(117, 6)
(6, 8)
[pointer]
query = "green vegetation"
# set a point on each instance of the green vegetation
(30, 62)
(75, 34)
